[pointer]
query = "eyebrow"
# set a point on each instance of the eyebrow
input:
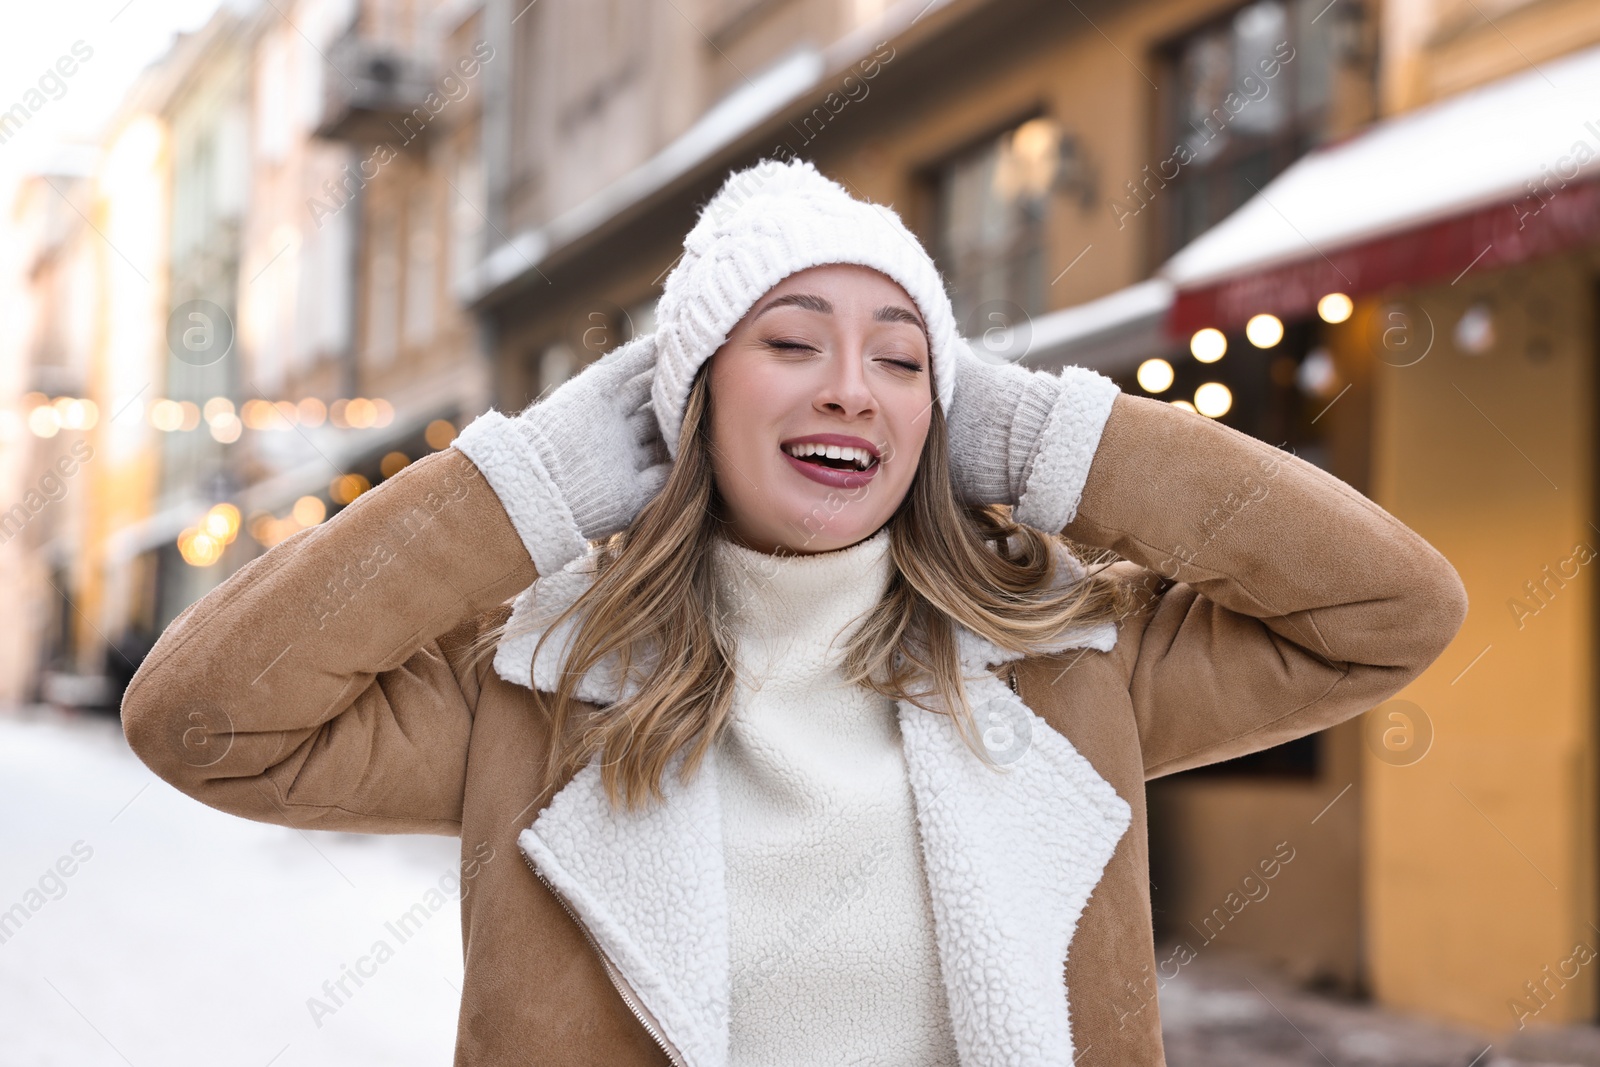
(812, 302)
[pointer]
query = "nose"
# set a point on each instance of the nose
(846, 390)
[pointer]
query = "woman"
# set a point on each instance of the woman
(815, 742)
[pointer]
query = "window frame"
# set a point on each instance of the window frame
(930, 179)
(1303, 130)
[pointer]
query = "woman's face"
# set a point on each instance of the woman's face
(835, 355)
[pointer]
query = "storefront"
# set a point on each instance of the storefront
(1414, 309)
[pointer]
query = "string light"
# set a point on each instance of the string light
(1335, 307)
(1213, 399)
(1155, 375)
(218, 412)
(1264, 330)
(1208, 345)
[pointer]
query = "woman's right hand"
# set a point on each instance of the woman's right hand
(587, 457)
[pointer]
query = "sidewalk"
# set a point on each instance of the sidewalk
(1226, 1010)
(140, 926)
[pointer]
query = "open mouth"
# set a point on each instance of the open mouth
(834, 457)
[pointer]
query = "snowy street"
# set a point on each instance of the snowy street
(139, 927)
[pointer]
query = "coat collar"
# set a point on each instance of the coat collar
(1011, 857)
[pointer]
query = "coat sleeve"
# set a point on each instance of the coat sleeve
(1278, 600)
(324, 685)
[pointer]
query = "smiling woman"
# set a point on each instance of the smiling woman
(805, 576)
(856, 352)
(825, 383)
(821, 738)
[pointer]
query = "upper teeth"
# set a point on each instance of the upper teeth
(859, 456)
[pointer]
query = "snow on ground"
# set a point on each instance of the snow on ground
(140, 927)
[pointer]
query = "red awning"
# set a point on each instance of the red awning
(1495, 176)
(1495, 236)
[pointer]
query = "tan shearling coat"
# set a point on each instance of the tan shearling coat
(324, 686)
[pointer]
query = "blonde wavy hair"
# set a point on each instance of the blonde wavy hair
(654, 586)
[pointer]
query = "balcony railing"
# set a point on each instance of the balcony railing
(371, 91)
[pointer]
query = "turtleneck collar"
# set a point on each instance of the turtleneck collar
(821, 593)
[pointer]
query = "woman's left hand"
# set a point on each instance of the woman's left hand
(1023, 437)
(995, 420)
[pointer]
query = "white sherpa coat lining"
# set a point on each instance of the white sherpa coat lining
(1011, 856)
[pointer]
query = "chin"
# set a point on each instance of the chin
(836, 534)
(806, 521)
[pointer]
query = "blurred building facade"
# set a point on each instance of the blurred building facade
(207, 120)
(274, 332)
(52, 346)
(397, 213)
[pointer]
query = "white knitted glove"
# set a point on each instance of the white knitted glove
(1025, 438)
(578, 465)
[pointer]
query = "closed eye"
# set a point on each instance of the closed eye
(801, 346)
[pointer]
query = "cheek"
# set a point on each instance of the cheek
(752, 402)
(914, 417)
(730, 412)
(738, 417)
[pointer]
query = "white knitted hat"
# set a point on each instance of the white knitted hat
(765, 223)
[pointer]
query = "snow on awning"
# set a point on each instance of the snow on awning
(1493, 176)
(1112, 335)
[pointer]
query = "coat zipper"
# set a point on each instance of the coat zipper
(623, 989)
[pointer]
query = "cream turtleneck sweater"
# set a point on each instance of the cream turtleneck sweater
(833, 953)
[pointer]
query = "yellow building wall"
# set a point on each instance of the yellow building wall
(1438, 48)
(1480, 857)
(128, 374)
(1208, 835)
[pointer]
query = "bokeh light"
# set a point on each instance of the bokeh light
(1155, 375)
(1335, 308)
(1213, 400)
(1264, 330)
(1208, 345)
